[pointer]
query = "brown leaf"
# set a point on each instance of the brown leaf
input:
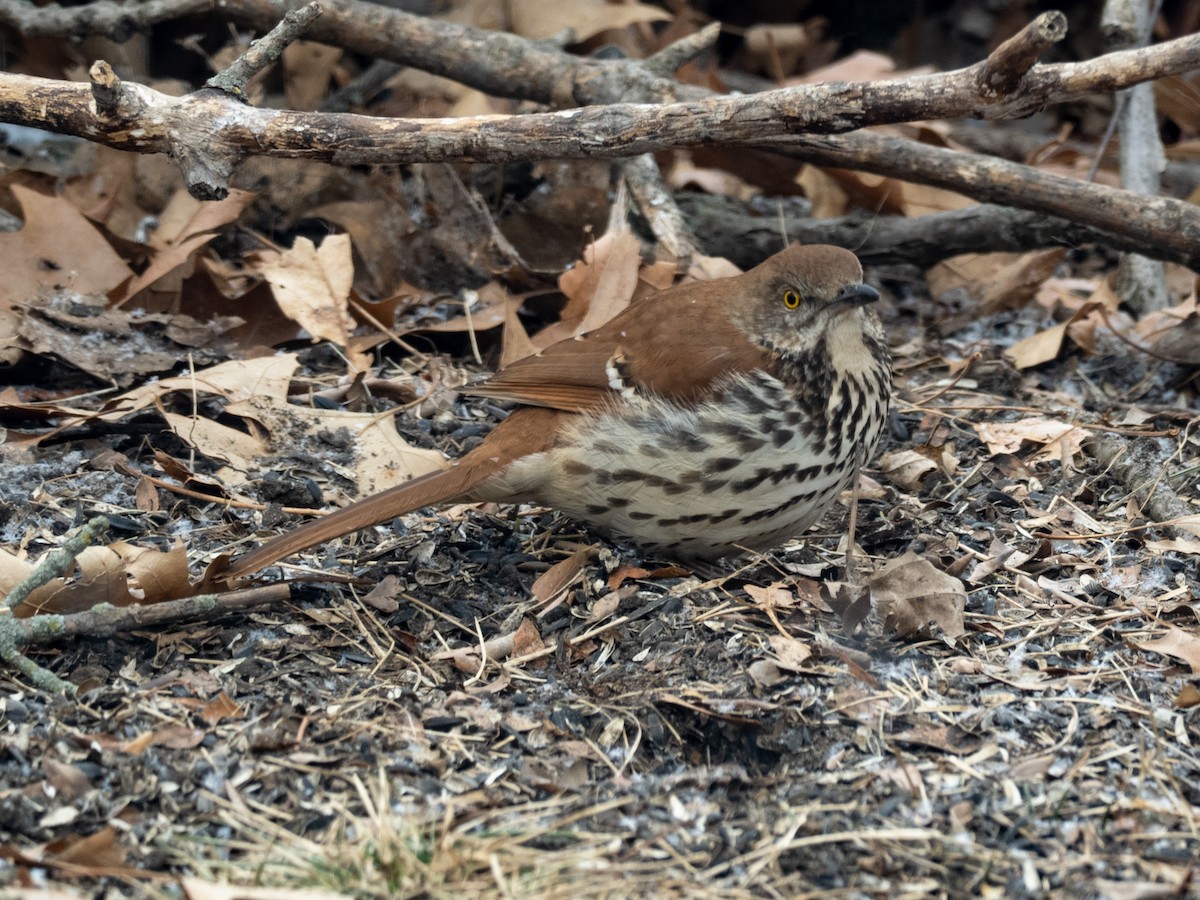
(947, 738)
(381, 457)
(312, 285)
(1061, 440)
(584, 18)
(560, 576)
(308, 70)
(221, 707)
(69, 782)
(1189, 696)
(906, 468)
(56, 250)
(185, 226)
(915, 599)
(790, 654)
(995, 281)
(774, 596)
(597, 288)
(383, 596)
(1176, 642)
(96, 851)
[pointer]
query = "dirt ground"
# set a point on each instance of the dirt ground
(674, 735)
(490, 702)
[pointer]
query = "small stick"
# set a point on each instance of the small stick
(265, 51)
(1009, 63)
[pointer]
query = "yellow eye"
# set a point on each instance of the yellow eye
(791, 299)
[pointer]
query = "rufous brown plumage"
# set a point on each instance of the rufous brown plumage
(712, 418)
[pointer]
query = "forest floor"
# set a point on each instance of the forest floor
(492, 702)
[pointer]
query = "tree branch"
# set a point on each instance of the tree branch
(726, 227)
(117, 21)
(211, 133)
(1154, 222)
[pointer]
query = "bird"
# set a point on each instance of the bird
(709, 420)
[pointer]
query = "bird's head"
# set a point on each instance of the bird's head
(804, 294)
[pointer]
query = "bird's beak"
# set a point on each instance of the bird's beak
(853, 296)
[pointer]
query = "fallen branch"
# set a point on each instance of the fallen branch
(106, 620)
(103, 619)
(726, 227)
(210, 132)
(1140, 465)
(1160, 222)
(117, 21)
(55, 564)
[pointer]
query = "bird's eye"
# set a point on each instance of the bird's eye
(791, 299)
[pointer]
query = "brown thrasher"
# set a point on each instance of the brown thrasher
(709, 419)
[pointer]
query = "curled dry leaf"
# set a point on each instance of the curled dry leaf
(120, 574)
(1177, 643)
(560, 576)
(1061, 440)
(916, 599)
(906, 468)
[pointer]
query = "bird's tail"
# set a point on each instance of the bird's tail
(426, 490)
(526, 430)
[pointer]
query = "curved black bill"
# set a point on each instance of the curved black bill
(855, 295)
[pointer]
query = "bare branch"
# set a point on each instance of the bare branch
(1154, 222)
(1003, 70)
(726, 227)
(265, 51)
(118, 21)
(200, 123)
(674, 56)
(105, 620)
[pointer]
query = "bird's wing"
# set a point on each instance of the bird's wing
(674, 344)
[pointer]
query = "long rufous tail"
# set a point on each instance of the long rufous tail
(426, 490)
(526, 430)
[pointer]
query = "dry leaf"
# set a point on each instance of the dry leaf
(221, 707)
(381, 457)
(584, 18)
(1045, 345)
(199, 889)
(915, 599)
(1061, 440)
(790, 654)
(559, 576)
(56, 250)
(995, 281)
(383, 596)
(177, 241)
(308, 68)
(312, 285)
(906, 468)
(1175, 642)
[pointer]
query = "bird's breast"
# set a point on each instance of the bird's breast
(750, 466)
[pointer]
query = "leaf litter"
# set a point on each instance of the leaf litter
(1005, 702)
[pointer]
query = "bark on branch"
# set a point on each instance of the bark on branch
(117, 21)
(1155, 224)
(726, 227)
(210, 132)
